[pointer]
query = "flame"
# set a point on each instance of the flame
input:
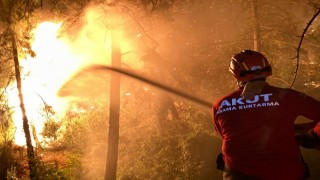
(41, 78)
(57, 60)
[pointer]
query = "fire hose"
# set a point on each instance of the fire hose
(151, 82)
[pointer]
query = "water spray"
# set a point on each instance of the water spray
(164, 87)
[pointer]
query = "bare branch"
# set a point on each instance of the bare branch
(299, 46)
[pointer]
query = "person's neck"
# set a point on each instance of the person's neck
(242, 84)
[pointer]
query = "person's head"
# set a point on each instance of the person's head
(249, 65)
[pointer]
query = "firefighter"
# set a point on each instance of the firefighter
(256, 123)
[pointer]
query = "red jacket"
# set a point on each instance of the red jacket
(258, 134)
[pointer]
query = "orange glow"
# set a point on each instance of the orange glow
(57, 60)
(42, 76)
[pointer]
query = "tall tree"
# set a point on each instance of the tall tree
(256, 25)
(113, 135)
(12, 14)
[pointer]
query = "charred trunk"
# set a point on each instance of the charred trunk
(30, 150)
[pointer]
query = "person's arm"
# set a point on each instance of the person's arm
(309, 139)
(304, 127)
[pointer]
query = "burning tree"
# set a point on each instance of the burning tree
(14, 15)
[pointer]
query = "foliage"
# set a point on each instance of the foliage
(179, 154)
(73, 167)
(6, 158)
(17, 16)
(54, 171)
(7, 134)
(161, 6)
(143, 153)
(6, 124)
(84, 134)
(50, 130)
(162, 159)
(47, 171)
(12, 174)
(84, 123)
(15, 11)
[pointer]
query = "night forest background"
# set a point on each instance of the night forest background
(121, 126)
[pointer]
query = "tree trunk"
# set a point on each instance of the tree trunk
(256, 25)
(113, 136)
(30, 151)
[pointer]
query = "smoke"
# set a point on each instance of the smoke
(187, 48)
(99, 71)
(158, 49)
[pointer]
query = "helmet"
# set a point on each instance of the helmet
(249, 65)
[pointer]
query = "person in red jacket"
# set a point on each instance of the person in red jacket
(256, 123)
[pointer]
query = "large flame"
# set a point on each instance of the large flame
(41, 78)
(56, 61)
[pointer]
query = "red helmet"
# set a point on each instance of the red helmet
(249, 65)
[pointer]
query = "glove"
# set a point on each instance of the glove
(304, 127)
(308, 140)
(220, 162)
